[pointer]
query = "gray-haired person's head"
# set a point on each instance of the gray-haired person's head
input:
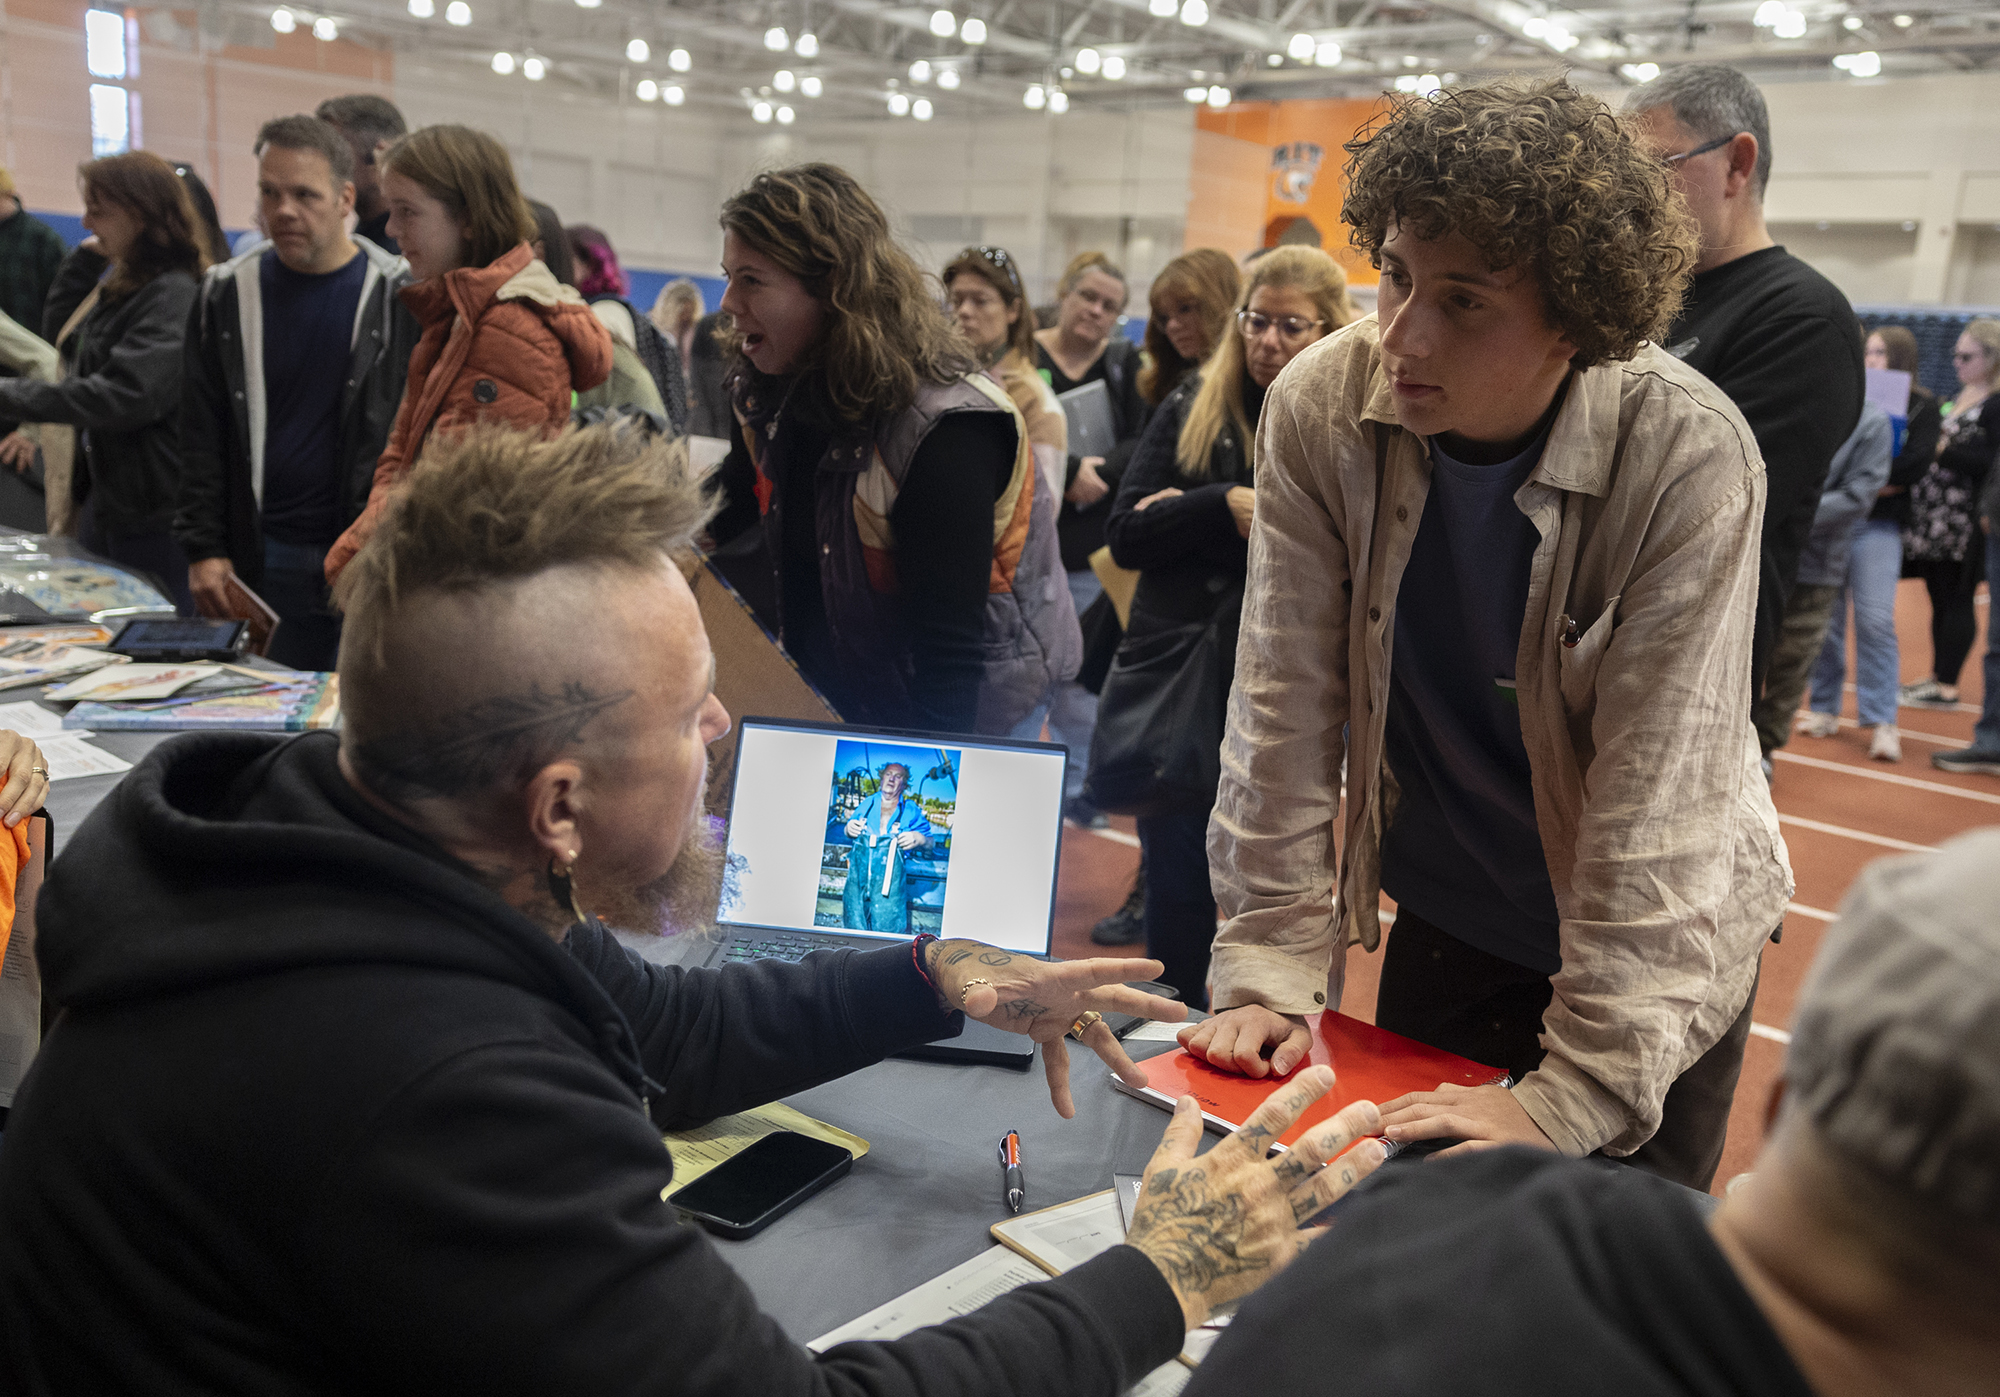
(1713, 102)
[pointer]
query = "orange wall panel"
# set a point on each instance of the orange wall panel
(1301, 144)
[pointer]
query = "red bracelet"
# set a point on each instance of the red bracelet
(917, 960)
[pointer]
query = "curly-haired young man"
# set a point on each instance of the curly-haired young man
(1505, 563)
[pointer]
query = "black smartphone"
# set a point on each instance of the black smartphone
(180, 638)
(746, 1193)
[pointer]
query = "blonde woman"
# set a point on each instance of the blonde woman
(1183, 520)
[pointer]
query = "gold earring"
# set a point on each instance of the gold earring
(562, 885)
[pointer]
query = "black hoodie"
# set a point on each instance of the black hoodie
(323, 1114)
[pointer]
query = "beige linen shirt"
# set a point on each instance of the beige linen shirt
(1657, 824)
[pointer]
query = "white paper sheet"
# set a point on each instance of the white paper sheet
(132, 682)
(32, 720)
(1069, 1234)
(960, 1291)
(1155, 1031)
(71, 756)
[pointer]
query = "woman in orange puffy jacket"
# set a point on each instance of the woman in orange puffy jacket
(503, 340)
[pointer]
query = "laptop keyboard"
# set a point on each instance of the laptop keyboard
(789, 948)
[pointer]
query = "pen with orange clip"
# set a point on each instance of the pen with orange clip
(1010, 1164)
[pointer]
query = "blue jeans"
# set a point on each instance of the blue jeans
(1070, 710)
(1986, 732)
(1873, 568)
(295, 586)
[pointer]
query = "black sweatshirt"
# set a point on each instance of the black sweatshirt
(323, 1114)
(1783, 343)
(1510, 1273)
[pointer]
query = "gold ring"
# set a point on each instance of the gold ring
(38, 771)
(965, 990)
(1083, 1023)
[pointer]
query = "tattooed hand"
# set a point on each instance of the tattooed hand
(1041, 999)
(1220, 1225)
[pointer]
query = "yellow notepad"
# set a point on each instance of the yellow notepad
(697, 1151)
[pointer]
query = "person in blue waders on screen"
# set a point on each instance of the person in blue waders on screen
(885, 829)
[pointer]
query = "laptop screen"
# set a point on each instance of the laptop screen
(864, 833)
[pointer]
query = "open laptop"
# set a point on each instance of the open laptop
(819, 859)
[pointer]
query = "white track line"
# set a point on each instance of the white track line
(1821, 827)
(1929, 737)
(1817, 914)
(1116, 836)
(1764, 1030)
(1936, 787)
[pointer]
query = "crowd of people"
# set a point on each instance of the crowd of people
(1497, 601)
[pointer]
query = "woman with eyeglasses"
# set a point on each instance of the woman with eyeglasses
(1942, 542)
(1183, 520)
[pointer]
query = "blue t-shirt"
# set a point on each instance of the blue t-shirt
(308, 334)
(1462, 850)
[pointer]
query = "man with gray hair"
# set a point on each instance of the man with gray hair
(1861, 1257)
(1772, 333)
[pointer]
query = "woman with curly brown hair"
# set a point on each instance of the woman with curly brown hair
(912, 536)
(1504, 563)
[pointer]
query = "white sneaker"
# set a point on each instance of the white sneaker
(1817, 724)
(1886, 745)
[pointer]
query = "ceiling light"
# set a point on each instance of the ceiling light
(807, 45)
(1301, 47)
(776, 39)
(786, 116)
(811, 86)
(1035, 98)
(1088, 60)
(680, 61)
(1114, 67)
(1058, 101)
(1904, 21)
(1534, 26)
(1161, 9)
(1790, 25)
(920, 71)
(1065, 72)
(921, 109)
(944, 23)
(673, 94)
(1195, 12)
(588, 4)
(324, 30)
(1328, 55)
(1410, 60)
(899, 104)
(1195, 94)
(947, 79)
(1428, 83)
(1851, 23)
(503, 63)
(973, 31)
(1859, 65)
(458, 13)
(283, 22)
(534, 69)
(760, 112)
(422, 9)
(1406, 82)
(647, 90)
(1218, 97)
(638, 51)
(1640, 72)
(784, 80)
(1768, 13)
(1562, 41)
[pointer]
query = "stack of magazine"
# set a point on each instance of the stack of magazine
(182, 698)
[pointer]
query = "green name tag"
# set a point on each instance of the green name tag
(1508, 691)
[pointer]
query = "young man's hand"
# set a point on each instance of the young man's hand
(1220, 1225)
(1237, 1040)
(1482, 1117)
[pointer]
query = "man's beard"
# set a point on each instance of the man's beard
(681, 900)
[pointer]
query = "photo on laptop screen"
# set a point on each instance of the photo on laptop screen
(887, 857)
(859, 833)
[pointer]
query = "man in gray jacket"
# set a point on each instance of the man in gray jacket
(297, 352)
(1859, 471)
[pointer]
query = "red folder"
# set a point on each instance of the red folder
(1369, 1064)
